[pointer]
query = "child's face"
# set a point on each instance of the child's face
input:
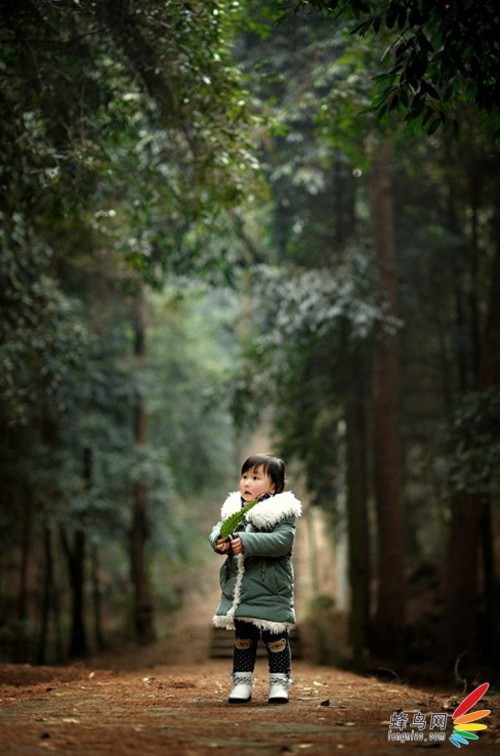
(255, 482)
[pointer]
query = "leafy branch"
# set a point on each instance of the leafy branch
(232, 522)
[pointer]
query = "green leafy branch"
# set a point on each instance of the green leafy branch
(232, 522)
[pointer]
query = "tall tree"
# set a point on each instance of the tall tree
(358, 494)
(470, 527)
(390, 617)
(139, 528)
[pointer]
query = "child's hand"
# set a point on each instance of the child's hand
(222, 545)
(237, 545)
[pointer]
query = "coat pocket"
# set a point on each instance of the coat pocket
(270, 577)
(283, 575)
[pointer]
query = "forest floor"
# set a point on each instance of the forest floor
(170, 697)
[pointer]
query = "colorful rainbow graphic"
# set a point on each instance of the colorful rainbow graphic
(466, 725)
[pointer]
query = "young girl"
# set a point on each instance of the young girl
(257, 577)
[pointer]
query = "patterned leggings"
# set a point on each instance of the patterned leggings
(246, 638)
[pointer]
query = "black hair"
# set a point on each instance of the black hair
(272, 466)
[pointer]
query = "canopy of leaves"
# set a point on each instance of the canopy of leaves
(121, 126)
(440, 55)
(473, 460)
(85, 84)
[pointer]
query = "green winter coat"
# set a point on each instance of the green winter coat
(258, 585)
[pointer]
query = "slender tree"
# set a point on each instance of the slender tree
(470, 536)
(358, 490)
(390, 616)
(139, 528)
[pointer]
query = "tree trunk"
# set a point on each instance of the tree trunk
(489, 365)
(88, 464)
(489, 638)
(143, 605)
(99, 640)
(48, 575)
(357, 497)
(470, 527)
(390, 612)
(27, 509)
(489, 376)
(462, 565)
(75, 558)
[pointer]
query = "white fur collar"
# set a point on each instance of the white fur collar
(267, 513)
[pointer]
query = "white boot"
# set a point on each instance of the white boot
(278, 688)
(242, 687)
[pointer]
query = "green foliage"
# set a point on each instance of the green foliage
(191, 346)
(315, 305)
(43, 337)
(303, 322)
(231, 523)
(184, 461)
(440, 56)
(126, 137)
(148, 92)
(312, 87)
(124, 131)
(472, 463)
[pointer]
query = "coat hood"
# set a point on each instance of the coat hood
(267, 513)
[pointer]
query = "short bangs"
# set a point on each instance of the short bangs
(274, 467)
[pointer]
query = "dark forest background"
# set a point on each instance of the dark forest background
(215, 212)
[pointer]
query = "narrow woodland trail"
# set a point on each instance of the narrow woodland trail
(170, 698)
(182, 709)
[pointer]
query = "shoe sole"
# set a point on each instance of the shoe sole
(239, 700)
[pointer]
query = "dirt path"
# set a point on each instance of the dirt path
(170, 698)
(182, 709)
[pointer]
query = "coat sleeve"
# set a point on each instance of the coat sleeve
(214, 535)
(276, 543)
